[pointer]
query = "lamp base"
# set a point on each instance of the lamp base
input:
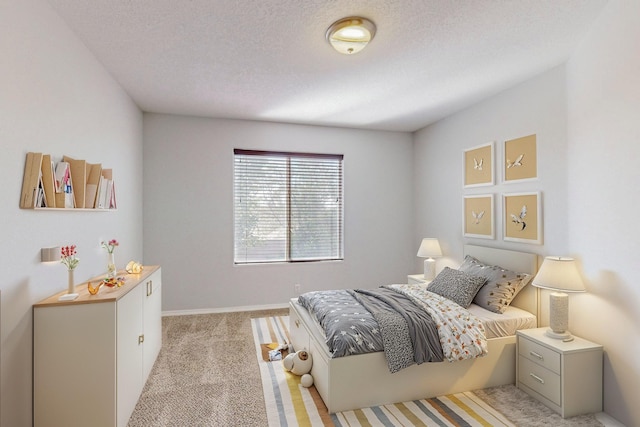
(429, 269)
(68, 297)
(565, 336)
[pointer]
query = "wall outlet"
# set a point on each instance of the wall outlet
(296, 288)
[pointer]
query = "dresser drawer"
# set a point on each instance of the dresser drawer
(539, 379)
(539, 354)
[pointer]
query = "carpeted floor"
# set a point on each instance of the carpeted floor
(523, 410)
(207, 375)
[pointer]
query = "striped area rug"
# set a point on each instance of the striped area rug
(290, 404)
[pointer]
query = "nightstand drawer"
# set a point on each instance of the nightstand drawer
(539, 379)
(539, 354)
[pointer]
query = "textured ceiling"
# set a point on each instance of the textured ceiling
(269, 60)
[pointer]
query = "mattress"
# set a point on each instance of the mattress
(498, 325)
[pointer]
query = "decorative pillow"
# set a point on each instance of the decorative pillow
(456, 285)
(501, 286)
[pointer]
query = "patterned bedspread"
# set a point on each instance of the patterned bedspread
(461, 333)
(351, 329)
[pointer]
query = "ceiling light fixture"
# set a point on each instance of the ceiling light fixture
(351, 35)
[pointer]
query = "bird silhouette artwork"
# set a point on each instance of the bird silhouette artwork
(518, 162)
(477, 216)
(519, 219)
(478, 164)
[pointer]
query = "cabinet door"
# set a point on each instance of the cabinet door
(129, 352)
(74, 369)
(152, 321)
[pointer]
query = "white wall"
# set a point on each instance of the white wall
(534, 107)
(586, 117)
(604, 147)
(188, 220)
(57, 99)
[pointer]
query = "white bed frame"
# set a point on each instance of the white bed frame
(352, 382)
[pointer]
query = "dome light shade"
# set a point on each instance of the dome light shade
(350, 35)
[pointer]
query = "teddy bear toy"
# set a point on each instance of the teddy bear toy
(299, 363)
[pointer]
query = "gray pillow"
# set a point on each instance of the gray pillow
(501, 287)
(456, 285)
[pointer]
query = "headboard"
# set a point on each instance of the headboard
(521, 262)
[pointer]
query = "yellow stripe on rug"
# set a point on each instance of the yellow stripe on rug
(288, 403)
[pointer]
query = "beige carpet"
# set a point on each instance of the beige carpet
(523, 410)
(207, 375)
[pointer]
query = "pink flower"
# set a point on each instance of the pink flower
(110, 245)
(68, 256)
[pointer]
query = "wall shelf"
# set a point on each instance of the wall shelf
(69, 184)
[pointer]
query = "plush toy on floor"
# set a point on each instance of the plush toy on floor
(300, 363)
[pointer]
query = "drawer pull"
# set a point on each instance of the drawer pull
(297, 323)
(537, 378)
(536, 355)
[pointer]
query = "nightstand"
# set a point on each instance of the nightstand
(417, 279)
(565, 376)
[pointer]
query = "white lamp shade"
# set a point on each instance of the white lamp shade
(559, 274)
(429, 248)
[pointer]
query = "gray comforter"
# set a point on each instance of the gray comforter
(409, 334)
(362, 321)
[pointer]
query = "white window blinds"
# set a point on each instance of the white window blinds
(288, 207)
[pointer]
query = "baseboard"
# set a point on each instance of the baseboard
(607, 420)
(223, 310)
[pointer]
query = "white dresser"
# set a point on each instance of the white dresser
(565, 376)
(92, 356)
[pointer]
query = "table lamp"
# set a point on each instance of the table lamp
(429, 248)
(559, 274)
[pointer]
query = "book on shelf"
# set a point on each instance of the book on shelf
(113, 204)
(48, 181)
(106, 194)
(78, 170)
(94, 172)
(41, 198)
(64, 186)
(31, 181)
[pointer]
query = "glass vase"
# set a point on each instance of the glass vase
(111, 266)
(71, 287)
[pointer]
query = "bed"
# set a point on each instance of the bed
(364, 380)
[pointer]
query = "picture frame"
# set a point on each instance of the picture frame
(522, 217)
(478, 166)
(520, 159)
(478, 216)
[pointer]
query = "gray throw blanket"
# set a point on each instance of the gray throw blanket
(408, 332)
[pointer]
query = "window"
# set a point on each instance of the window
(288, 207)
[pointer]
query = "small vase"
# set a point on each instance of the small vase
(71, 287)
(111, 267)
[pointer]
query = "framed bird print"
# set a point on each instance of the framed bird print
(478, 166)
(523, 217)
(478, 216)
(520, 159)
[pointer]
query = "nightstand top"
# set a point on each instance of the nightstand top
(578, 344)
(417, 279)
